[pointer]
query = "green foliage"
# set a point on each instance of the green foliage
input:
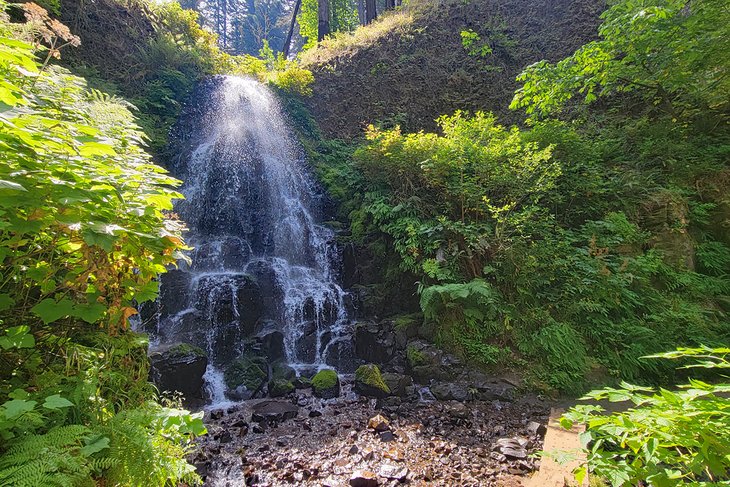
(670, 53)
(668, 437)
(581, 244)
(456, 199)
(84, 231)
(343, 18)
(474, 45)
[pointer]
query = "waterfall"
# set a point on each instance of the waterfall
(263, 265)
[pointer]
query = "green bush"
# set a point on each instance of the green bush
(667, 437)
(85, 229)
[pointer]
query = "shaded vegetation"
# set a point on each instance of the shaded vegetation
(593, 236)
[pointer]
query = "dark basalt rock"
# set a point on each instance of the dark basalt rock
(399, 384)
(446, 391)
(246, 376)
(180, 367)
(374, 343)
(271, 412)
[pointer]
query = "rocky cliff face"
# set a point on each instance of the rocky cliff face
(421, 70)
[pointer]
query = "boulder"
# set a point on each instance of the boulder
(280, 387)
(326, 384)
(246, 376)
(272, 344)
(399, 384)
(448, 391)
(405, 328)
(369, 381)
(174, 292)
(282, 370)
(180, 367)
(426, 362)
(374, 343)
(271, 412)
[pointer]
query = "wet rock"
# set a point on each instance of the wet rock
(280, 387)
(373, 342)
(180, 367)
(379, 423)
(393, 472)
(387, 436)
(398, 383)
(405, 328)
(493, 389)
(174, 292)
(389, 404)
(281, 370)
(363, 478)
(272, 412)
(426, 363)
(246, 376)
(326, 384)
(447, 391)
(272, 344)
(369, 381)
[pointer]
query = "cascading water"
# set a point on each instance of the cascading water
(262, 265)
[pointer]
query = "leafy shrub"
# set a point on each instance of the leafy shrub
(667, 437)
(86, 230)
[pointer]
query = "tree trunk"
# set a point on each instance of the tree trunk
(323, 14)
(361, 11)
(370, 11)
(289, 34)
(389, 4)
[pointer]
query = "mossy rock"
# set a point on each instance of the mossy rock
(302, 382)
(186, 350)
(250, 371)
(281, 370)
(280, 387)
(326, 384)
(415, 357)
(369, 381)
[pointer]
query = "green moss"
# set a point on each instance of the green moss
(324, 379)
(280, 387)
(186, 350)
(280, 370)
(248, 371)
(415, 357)
(403, 322)
(370, 376)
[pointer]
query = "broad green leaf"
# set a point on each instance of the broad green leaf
(17, 337)
(56, 402)
(6, 302)
(94, 445)
(11, 186)
(17, 407)
(49, 310)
